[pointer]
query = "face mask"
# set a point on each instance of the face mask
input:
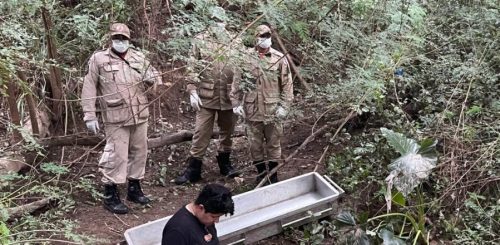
(120, 46)
(264, 42)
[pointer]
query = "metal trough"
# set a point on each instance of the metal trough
(262, 212)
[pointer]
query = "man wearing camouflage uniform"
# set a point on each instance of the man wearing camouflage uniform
(209, 85)
(263, 98)
(118, 77)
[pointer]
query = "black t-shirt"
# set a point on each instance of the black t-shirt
(185, 229)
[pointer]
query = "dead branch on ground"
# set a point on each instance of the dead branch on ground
(27, 208)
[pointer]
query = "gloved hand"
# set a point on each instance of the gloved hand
(195, 100)
(238, 110)
(93, 126)
(281, 112)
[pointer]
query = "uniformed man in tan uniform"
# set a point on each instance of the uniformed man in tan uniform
(118, 77)
(263, 97)
(209, 85)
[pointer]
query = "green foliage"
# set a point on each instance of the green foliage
(52, 168)
(316, 232)
(480, 221)
(77, 32)
(4, 233)
(33, 229)
(346, 218)
(30, 143)
(360, 164)
(410, 220)
(349, 51)
(89, 186)
(399, 142)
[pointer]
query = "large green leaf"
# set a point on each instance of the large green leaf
(399, 199)
(399, 142)
(428, 147)
(346, 218)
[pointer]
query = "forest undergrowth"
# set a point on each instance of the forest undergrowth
(420, 80)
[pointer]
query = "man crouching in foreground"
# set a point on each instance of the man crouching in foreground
(195, 222)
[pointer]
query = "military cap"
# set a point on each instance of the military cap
(262, 29)
(119, 29)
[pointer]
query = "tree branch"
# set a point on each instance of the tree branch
(340, 122)
(27, 208)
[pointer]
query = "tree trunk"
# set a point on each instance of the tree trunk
(54, 72)
(15, 118)
(31, 107)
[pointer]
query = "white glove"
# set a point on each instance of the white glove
(281, 112)
(195, 100)
(238, 110)
(93, 126)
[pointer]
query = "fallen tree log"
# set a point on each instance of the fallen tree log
(75, 139)
(181, 136)
(86, 140)
(27, 208)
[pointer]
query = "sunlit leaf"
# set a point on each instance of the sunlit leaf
(428, 147)
(399, 199)
(399, 142)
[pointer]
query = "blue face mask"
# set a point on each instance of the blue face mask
(120, 46)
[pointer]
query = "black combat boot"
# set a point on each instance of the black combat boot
(192, 172)
(135, 193)
(274, 177)
(225, 167)
(261, 172)
(112, 200)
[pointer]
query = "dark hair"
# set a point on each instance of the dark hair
(216, 199)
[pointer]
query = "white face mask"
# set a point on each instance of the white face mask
(120, 46)
(264, 42)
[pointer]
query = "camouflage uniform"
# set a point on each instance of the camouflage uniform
(266, 84)
(211, 75)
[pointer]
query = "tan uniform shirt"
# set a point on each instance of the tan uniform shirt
(265, 84)
(119, 85)
(211, 68)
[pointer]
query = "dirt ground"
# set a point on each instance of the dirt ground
(169, 115)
